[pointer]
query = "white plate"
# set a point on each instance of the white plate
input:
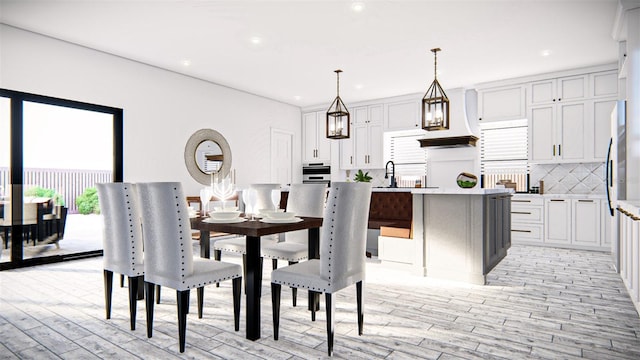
(224, 221)
(281, 221)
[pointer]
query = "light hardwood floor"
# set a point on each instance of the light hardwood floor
(539, 303)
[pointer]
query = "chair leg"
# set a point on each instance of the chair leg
(360, 313)
(294, 291)
(183, 310)
(237, 287)
(274, 264)
(275, 302)
(200, 301)
(133, 297)
(331, 310)
(314, 304)
(158, 288)
(216, 256)
(108, 289)
(148, 296)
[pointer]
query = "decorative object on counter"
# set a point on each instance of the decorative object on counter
(435, 103)
(466, 180)
(362, 177)
(534, 190)
(338, 117)
(541, 187)
(507, 183)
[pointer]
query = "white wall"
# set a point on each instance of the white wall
(161, 108)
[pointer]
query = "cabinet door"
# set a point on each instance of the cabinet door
(323, 144)
(571, 123)
(360, 116)
(347, 161)
(403, 115)
(557, 221)
(604, 84)
(309, 136)
(504, 103)
(542, 92)
(360, 148)
(572, 88)
(601, 128)
(586, 222)
(541, 133)
(376, 148)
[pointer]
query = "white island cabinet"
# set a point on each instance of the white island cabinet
(464, 232)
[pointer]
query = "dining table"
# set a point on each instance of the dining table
(253, 230)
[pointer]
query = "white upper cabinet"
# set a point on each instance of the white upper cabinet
(569, 117)
(402, 115)
(502, 103)
(364, 150)
(315, 145)
(570, 88)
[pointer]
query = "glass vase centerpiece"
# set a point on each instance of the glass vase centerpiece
(223, 189)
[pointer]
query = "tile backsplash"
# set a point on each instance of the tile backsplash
(588, 178)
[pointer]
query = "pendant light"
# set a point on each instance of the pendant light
(435, 103)
(338, 118)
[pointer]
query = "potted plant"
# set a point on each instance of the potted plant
(362, 177)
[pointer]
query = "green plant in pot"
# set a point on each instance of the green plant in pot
(362, 176)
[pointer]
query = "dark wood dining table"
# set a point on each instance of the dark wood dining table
(253, 230)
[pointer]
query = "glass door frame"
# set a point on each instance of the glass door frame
(16, 168)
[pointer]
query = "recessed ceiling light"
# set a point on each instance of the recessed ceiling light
(357, 6)
(186, 63)
(359, 86)
(545, 52)
(297, 97)
(256, 40)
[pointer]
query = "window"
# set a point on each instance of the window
(504, 153)
(408, 157)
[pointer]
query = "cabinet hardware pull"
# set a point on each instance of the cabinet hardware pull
(585, 200)
(524, 231)
(559, 149)
(351, 159)
(557, 200)
(521, 212)
(521, 201)
(554, 150)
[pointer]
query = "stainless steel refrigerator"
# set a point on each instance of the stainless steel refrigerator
(616, 172)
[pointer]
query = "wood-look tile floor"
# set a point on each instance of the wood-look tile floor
(540, 303)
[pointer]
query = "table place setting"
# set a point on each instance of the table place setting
(278, 217)
(226, 215)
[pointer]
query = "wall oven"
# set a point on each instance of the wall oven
(316, 173)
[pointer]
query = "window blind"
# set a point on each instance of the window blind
(409, 158)
(504, 152)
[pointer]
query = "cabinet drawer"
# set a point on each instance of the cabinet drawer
(526, 232)
(526, 214)
(527, 200)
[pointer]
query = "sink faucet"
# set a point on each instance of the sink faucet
(393, 173)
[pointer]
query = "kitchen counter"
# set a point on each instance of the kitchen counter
(563, 196)
(446, 191)
(632, 206)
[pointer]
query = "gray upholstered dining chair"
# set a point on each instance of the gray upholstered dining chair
(238, 244)
(342, 255)
(168, 259)
(121, 241)
(303, 200)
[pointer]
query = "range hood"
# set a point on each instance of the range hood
(451, 141)
(463, 105)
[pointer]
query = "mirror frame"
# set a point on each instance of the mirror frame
(190, 155)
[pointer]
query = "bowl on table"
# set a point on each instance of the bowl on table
(281, 215)
(226, 208)
(267, 212)
(224, 215)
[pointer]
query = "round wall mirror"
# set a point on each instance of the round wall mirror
(207, 153)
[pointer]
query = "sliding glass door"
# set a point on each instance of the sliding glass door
(59, 149)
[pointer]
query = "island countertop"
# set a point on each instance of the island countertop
(446, 191)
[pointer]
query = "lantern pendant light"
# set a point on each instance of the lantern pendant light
(338, 118)
(435, 103)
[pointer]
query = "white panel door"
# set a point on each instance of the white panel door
(281, 157)
(572, 129)
(541, 130)
(601, 128)
(557, 221)
(586, 222)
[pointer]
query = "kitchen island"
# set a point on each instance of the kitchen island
(457, 234)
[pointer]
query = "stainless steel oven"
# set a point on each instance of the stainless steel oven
(316, 173)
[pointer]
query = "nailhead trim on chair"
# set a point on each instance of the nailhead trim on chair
(131, 231)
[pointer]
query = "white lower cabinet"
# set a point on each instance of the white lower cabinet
(569, 222)
(629, 251)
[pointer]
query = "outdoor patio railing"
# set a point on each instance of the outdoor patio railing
(70, 183)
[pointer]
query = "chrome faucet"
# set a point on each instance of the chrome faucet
(393, 173)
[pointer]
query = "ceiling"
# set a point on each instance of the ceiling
(288, 50)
